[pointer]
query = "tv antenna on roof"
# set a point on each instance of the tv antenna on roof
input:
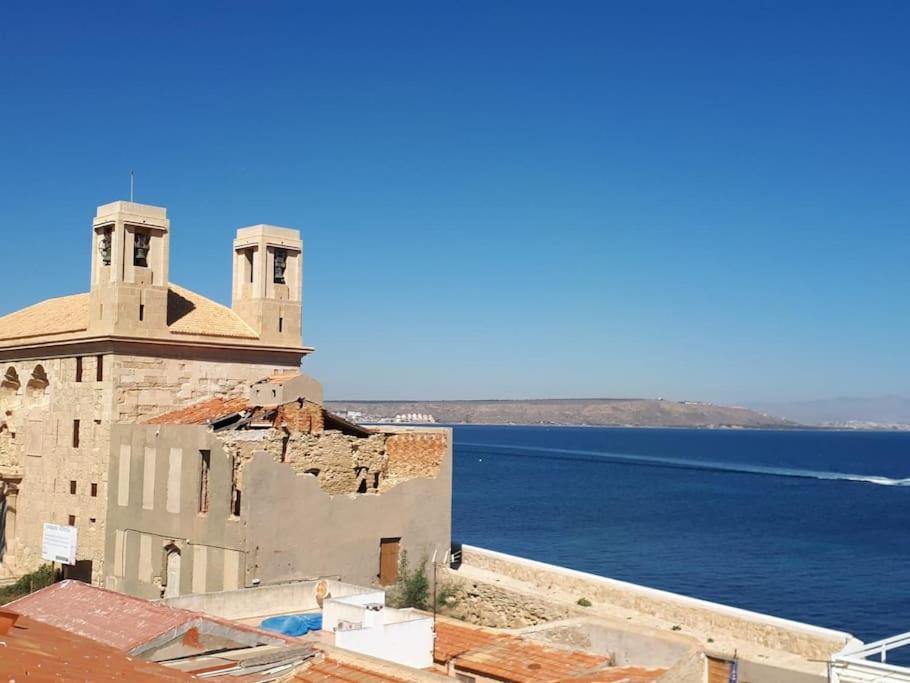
(132, 184)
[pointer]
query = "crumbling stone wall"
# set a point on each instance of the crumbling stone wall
(340, 462)
(487, 605)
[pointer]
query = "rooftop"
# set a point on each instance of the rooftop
(117, 620)
(188, 313)
(510, 658)
(36, 651)
(333, 670)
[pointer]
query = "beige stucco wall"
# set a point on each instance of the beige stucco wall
(306, 532)
(289, 527)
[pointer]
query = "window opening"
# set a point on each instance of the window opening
(205, 462)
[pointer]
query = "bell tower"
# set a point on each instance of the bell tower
(268, 282)
(130, 249)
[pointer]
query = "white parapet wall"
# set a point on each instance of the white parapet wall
(805, 640)
(363, 624)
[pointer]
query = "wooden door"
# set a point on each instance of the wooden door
(718, 670)
(388, 560)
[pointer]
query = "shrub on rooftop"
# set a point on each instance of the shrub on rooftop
(412, 589)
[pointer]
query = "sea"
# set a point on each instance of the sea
(811, 525)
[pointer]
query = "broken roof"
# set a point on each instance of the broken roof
(36, 651)
(124, 622)
(188, 313)
(237, 412)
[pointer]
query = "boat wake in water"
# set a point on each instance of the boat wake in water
(681, 463)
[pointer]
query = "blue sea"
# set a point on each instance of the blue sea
(808, 525)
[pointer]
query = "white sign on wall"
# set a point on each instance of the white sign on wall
(58, 544)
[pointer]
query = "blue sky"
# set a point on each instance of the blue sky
(497, 199)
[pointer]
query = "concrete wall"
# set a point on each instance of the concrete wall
(298, 530)
(407, 642)
(289, 528)
(692, 614)
(625, 643)
(154, 497)
(250, 603)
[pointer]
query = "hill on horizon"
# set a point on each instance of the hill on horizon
(566, 411)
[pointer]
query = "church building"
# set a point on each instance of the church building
(179, 439)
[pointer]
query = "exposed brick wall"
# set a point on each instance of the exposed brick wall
(306, 418)
(412, 454)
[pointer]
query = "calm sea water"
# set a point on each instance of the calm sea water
(809, 525)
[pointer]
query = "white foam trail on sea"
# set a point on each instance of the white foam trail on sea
(682, 463)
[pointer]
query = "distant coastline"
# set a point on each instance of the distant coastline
(596, 412)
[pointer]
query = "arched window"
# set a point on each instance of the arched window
(171, 571)
(9, 388)
(37, 385)
(10, 381)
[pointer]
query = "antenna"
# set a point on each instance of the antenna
(132, 184)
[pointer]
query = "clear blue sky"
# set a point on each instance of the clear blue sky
(497, 199)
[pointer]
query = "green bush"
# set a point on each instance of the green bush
(412, 589)
(584, 602)
(43, 576)
(445, 592)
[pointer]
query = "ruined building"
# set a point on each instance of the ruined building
(180, 439)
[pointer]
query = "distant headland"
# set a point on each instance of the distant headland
(618, 412)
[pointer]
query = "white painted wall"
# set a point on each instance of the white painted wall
(406, 642)
(400, 636)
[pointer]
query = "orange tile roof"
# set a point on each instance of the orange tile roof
(620, 674)
(333, 670)
(202, 412)
(121, 621)
(510, 658)
(187, 313)
(34, 651)
(453, 640)
(53, 316)
(191, 313)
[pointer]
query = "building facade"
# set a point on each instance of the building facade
(83, 374)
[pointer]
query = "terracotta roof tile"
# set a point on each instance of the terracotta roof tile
(52, 316)
(453, 640)
(620, 674)
(510, 658)
(187, 313)
(202, 412)
(333, 670)
(191, 313)
(115, 619)
(39, 652)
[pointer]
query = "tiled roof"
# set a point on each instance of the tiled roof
(52, 316)
(509, 658)
(187, 313)
(333, 670)
(115, 619)
(39, 652)
(202, 412)
(620, 674)
(121, 621)
(191, 313)
(453, 640)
